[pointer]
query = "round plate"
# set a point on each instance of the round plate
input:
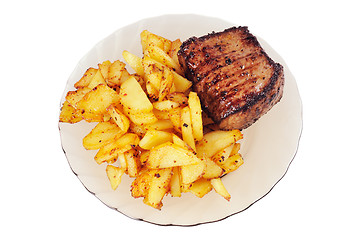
(268, 147)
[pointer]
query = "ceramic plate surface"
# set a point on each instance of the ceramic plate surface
(268, 147)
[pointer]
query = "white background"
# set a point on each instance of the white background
(41, 43)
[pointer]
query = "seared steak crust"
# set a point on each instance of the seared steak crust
(234, 77)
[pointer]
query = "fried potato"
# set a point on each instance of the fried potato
(109, 152)
(96, 80)
(133, 97)
(134, 62)
(196, 115)
(119, 118)
(235, 149)
(140, 186)
(212, 169)
(175, 184)
(97, 100)
(232, 163)
(102, 134)
(73, 97)
(165, 84)
(153, 138)
(158, 187)
(223, 154)
(85, 80)
(142, 118)
(217, 140)
(104, 69)
(175, 117)
(192, 172)
(160, 125)
(161, 56)
(200, 187)
(165, 105)
(114, 175)
(69, 114)
(133, 162)
(115, 74)
(181, 83)
(186, 125)
(218, 186)
(168, 155)
(178, 97)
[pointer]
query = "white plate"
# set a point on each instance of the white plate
(268, 147)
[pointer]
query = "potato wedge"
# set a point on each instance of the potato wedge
(85, 80)
(110, 151)
(165, 105)
(133, 98)
(96, 80)
(212, 169)
(145, 118)
(119, 118)
(223, 154)
(133, 162)
(200, 187)
(217, 140)
(218, 186)
(102, 134)
(196, 115)
(175, 117)
(187, 130)
(232, 163)
(134, 62)
(161, 56)
(115, 72)
(114, 175)
(235, 149)
(175, 185)
(69, 114)
(73, 97)
(140, 185)
(153, 138)
(160, 125)
(158, 187)
(192, 172)
(104, 69)
(169, 155)
(98, 99)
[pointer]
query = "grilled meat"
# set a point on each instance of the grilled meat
(234, 77)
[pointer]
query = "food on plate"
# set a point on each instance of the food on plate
(235, 79)
(150, 125)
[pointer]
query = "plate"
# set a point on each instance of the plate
(268, 147)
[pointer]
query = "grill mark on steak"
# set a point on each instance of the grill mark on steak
(237, 82)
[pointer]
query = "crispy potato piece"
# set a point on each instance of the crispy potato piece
(215, 141)
(201, 187)
(165, 105)
(166, 83)
(137, 129)
(232, 163)
(161, 115)
(115, 72)
(69, 114)
(148, 37)
(102, 134)
(196, 115)
(154, 138)
(140, 185)
(218, 186)
(175, 117)
(178, 97)
(119, 118)
(73, 97)
(187, 130)
(134, 62)
(142, 118)
(133, 97)
(212, 169)
(160, 125)
(223, 154)
(168, 155)
(143, 158)
(98, 99)
(133, 162)
(123, 162)
(104, 69)
(114, 175)
(96, 80)
(179, 142)
(85, 80)
(235, 149)
(174, 48)
(181, 83)
(192, 172)
(175, 184)
(161, 56)
(110, 151)
(158, 187)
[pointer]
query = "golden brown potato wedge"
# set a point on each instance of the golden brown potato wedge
(200, 187)
(158, 187)
(69, 114)
(114, 175)
(187, 129)
(153, 138)
(218, 186)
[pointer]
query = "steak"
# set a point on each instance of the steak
(235, 79)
